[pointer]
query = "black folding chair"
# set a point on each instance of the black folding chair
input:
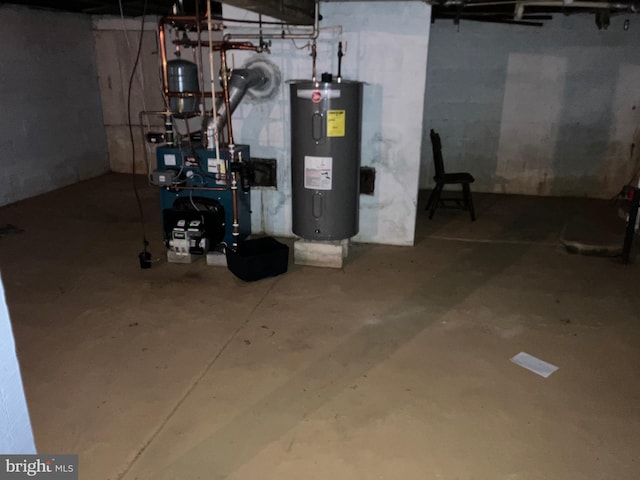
(442, 178)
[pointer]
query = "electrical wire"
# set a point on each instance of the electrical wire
(191, 192)
(306, 45)
(145, 242)
(139, 77)
(192, 202)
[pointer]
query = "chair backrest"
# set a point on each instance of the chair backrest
(436, 146)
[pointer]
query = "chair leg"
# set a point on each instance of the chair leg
(434, 199)
(468, 201)
(431, 197)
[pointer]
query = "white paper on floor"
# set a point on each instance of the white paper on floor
(534, 364)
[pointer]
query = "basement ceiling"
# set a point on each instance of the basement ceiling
(131, 8)
(529, 12)
(290, 11)
(523, 12)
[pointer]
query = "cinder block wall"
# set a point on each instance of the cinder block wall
(51, 130)
(116, 47)
(386, 47)
(544, 111)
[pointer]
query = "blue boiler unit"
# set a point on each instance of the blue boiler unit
(197, 200)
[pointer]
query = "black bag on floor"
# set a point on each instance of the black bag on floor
(258, 258)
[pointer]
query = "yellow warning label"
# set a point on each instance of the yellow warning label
(335, 123)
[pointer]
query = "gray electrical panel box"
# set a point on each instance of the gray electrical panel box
(326, 120)
(163, 178)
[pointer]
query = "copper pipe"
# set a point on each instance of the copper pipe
(180, 19)
(215, 189)
(235, 229)
(241, 46)
(163, 56)
(217, 46)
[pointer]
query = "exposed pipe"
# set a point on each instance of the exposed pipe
(217, 46)
(167, 114)
(543, 3)
(234, 87)
(340, 55)
(221, 46)
(235, 229)
(214, 107)
(163, 56)
(280, 34)
(191, 94)
(314, 54)
(225, 90)
(199, 61)
(213, 189)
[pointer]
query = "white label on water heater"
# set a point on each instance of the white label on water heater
(169, 160)
(308, 94)
(318, 172)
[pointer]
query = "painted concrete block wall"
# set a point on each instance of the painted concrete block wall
(549, 111)
(51, 131)
(16, 436)
(116, 47)
(387, 44)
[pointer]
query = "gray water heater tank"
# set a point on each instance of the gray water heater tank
(182, 77)
(326, 119)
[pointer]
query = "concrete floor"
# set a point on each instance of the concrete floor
(395, 367)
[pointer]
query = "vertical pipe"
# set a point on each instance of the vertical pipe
(225, 88)
(163, 56)
(340, 54)
(235, 232)
(214, 109)
(313, 60)
(199, 61)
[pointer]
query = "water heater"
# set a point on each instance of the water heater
(326, 120)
